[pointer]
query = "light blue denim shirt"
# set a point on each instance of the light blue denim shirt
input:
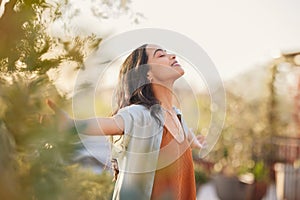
(137, 152)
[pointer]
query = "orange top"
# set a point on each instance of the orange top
(175, 177)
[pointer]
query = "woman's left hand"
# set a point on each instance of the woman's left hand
(201, 141)
(197, 142)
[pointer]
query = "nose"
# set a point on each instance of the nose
(172, 56)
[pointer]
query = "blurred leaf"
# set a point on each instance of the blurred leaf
(260, 171)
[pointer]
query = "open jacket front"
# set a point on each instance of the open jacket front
(137, 152)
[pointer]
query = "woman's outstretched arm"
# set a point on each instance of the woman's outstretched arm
(99, 126)
(93, 126)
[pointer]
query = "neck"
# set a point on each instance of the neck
(164, 95)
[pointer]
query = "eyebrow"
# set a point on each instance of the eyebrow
(157, 51)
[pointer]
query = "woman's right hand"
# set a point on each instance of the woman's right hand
(62, 119)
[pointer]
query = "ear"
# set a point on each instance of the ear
(149, 76)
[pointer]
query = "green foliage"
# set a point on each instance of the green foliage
(35, 158)
(8, 181)
(244, 134)
(25, 44)
(253, 117)
(201, 175)
(20, 36)
(260, 171)
(90, 185)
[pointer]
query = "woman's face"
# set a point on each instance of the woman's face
(163, 66)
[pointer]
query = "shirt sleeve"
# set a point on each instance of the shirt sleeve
(128, 119)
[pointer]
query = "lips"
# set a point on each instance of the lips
(175, 63)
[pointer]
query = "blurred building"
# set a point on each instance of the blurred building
(285, 124)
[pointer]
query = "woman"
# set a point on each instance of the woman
(153, 150)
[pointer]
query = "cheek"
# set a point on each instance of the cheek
(159, 61)
(155, 71)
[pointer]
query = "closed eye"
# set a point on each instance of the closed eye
(160, 51)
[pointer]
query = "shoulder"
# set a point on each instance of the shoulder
(134, 109)
(134, 112)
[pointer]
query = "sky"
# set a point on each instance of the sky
(238, 35)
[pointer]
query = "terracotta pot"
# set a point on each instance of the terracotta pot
(260, 189)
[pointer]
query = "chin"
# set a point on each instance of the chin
(181, 72)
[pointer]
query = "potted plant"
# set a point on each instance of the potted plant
(261, 180)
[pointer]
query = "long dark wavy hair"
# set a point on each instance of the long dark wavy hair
(134, 86)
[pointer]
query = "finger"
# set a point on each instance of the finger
(200, 138)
